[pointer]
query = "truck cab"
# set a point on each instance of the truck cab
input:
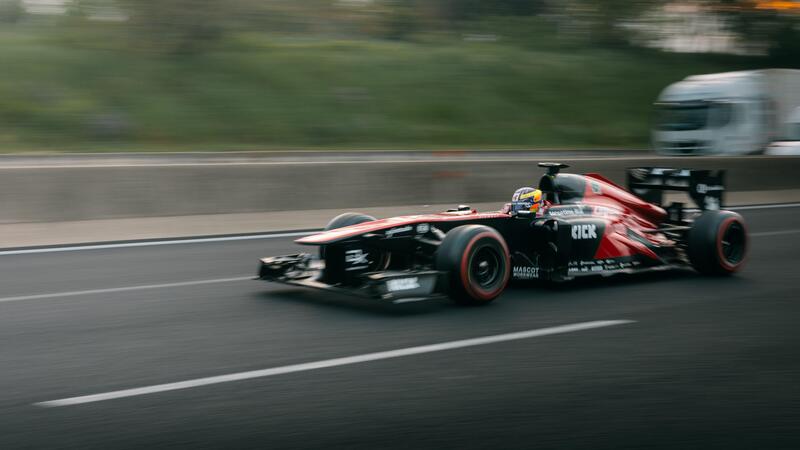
(712, 114)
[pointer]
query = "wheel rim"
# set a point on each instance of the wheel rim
(485, 267)
(733, 243)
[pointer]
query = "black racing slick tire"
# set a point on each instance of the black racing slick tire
(477, 260)
(347, 219)
(344, 220)
(717, 243)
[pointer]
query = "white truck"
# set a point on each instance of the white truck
(726, 113)
(789, 145)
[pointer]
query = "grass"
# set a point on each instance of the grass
(260, 92)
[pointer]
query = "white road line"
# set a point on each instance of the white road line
(427, 160)
(772, 206)
(252, 237)
(123, 289)
(753, 207)
(231, 279)
(197, 382)
(153, 243)
(774, 233)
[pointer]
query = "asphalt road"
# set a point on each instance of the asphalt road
(704, 362)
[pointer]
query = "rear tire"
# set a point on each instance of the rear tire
(478, 263)
(717, 243)
(344, 220)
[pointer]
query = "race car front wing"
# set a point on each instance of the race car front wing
(391, 286)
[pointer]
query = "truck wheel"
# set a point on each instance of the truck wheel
(478, 263)
(717, 243)
(344, 220)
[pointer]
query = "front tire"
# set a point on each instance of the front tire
(477, 260)
(344, 220)
(718, 243)
(347, 219)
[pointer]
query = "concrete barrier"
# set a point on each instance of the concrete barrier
(80, 192)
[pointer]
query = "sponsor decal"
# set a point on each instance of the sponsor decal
(357, 259)
(356, 256)
(600, 265)
(586, 266)
(522, 193)
(595, 187)
(522, 205)
(582, 210)
(565, 211)
(605, 211)
(676, 183)
(526, 272)
(711, 203)
(392, 231)
(639, 174)
(402, 284)
(665, 171)
(423, 228)
(703, 188)
(587, 231)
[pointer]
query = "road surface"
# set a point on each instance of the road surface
(689, 362)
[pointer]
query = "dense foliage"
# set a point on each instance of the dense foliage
(204, 74)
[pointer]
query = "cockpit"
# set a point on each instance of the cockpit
(561, 188)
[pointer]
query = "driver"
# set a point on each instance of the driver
(527, 201)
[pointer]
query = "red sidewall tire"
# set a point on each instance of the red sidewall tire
(474, 289)
(724, 264)
(456, 256)
(705, 243)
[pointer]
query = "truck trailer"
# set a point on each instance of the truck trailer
(789, 145)
(726, 113)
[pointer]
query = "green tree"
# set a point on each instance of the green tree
(11, 11)
(179, 26)
(605, 19)
(757, 25)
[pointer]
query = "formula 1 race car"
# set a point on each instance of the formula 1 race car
(571, 226)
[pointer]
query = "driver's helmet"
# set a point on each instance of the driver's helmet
(527, 199)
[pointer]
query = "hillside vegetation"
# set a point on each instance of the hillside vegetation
(258, 91)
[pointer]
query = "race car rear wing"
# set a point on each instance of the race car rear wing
(705, 187)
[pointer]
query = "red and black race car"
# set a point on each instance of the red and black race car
(582, 225)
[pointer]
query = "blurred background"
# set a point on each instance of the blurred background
(100, 292)
(116, 75)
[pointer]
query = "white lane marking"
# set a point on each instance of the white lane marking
(20, 298)
(772, 206)
(231, 279)
(774, 233)
(753, 207)
(426, 160)
(249, 237)
(197, 382)
(153, 243)
(255, 236)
